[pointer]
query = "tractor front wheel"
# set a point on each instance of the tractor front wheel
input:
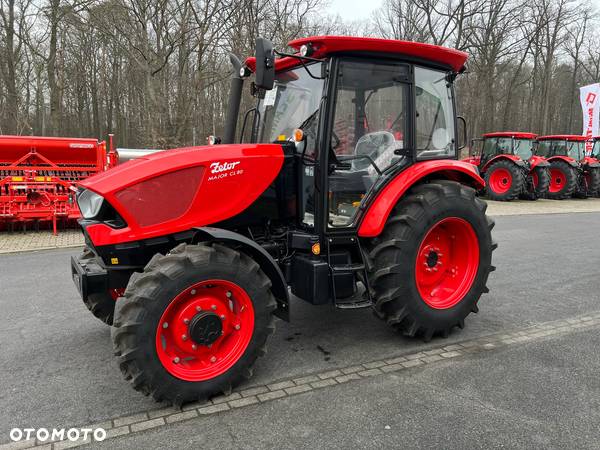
(563, 180)
(193, 323)
(504, 180)
(431, 263)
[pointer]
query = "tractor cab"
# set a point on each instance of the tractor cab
(353, 115)
(507, 161)
(572, 173)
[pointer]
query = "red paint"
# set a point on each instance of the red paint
(500, 181)
(475, 160)
(558, 180)
(535, 161)
(242, 172)
(37, 173)
(197, 362)
(447, 263)
(374, 220)
(327, 45)
(567, 159)
(563, 137)
(511, 134)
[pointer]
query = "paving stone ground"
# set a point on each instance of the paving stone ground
(40, 240)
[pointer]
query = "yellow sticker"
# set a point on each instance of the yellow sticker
(114, 260)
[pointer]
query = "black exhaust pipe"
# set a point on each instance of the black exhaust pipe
(235, 98)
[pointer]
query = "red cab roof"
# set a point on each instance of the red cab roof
(562, 137)
(327, 45)
(514, 134)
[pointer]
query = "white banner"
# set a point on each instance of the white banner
(590, 105)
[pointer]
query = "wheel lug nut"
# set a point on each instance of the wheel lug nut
(186, 321)
(228, 294)
(165, 325)
(213, 359)
(213, 307)
(176, 360)
(237, 327)
(194, 347)
(184, 337)
(193, 292)
(222, 316)
(198, 308)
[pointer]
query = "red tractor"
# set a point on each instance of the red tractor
(572, 173)
(327, 197)
(509, 167)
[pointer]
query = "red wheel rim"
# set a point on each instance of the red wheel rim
(447, 263)
(195, 315)
(558, 180)
(500, 180)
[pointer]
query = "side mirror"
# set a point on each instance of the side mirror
(265, 64)
(463, 143)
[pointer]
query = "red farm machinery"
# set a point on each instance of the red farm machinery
(38, 174)
(572, 172)
(509, 166)
(346, 192)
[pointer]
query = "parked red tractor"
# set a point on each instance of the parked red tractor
(571, 171)
(509, 167)
(330, 198)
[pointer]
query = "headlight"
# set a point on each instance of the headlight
(89, 203)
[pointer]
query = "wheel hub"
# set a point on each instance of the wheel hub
(432, 258)
(205, 328)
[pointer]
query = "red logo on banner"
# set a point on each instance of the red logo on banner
(590, 99)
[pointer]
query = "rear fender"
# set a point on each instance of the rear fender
(537, 161)
(256, 252)
(588, 161)
(570, 161)
(379, 209)
(514, 158)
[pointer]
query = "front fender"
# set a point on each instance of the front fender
(259, 254)
(379, 209)
(514, 158)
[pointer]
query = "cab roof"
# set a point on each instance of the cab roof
(513, 134)
(328, 45)
(563, 137)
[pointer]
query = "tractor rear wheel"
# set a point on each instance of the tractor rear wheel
(101, 305)
(504, 180)
(592, 181)
(563, 180)
(431, 263)
(193, 323)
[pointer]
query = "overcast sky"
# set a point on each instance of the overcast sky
(354, 9)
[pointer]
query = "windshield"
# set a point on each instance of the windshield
(292, 103)
(596, 149)
(523, 148)
(574, 149)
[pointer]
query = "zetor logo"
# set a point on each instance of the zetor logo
(217, 167)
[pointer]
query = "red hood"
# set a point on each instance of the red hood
(175, 190)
